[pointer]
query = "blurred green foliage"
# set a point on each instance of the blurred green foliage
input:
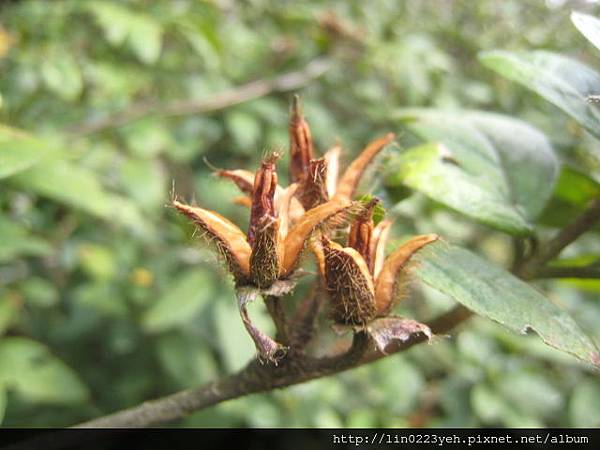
(106, 302)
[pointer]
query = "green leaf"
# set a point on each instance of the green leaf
(61, 74)
(39, 292)
(97, 261)
(496, 294)
(8, 312)
(245, 130)
(588, 25)
(145, 39)
(113, 19)
(19, 151)
(186, 360)
(527, 160)
(576, 188)
(531, 394)
(78, 187)
(145, 182)
(181, 301)
(562, 81)
(504, 155)
(142, 33)
(29, 368)
(17, 241)
(424, 169)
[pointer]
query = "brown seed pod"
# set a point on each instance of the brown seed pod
(265, 260)
(313, 190)
(301, 144)
(349, 284)
(361, 232)
(263, 197)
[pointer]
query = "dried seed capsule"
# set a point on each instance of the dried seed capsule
(301, 144)
(263, 232)
(349, 284)
(313, 189)
(361, 232)
(263, 196)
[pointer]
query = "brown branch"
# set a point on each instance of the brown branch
(257, 377)
(552, 248)
(240, 94)
(569, 272)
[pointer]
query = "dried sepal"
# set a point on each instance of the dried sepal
(228, 238)
(288, 210)
(349, 284)
(313, 189)
(349, 181)
(263, 197)
(267, 255)
(268, 349)
(361, 232)
(306, 225)
(301, 144)
(243, 179)
(378, 242)
(332, 159)
(388, 279)
(386, 330)
(243, 201)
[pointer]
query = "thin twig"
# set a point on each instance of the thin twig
(257, 377)
(552, 248)
(282, 83)
(569, 272)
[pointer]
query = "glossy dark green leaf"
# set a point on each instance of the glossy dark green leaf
(576, 188)
(563, 81)
(504, 156)
(494, 293)
(426, 170)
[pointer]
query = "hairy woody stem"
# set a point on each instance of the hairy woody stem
(257, 377)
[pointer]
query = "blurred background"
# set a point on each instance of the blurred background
(106, 300)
